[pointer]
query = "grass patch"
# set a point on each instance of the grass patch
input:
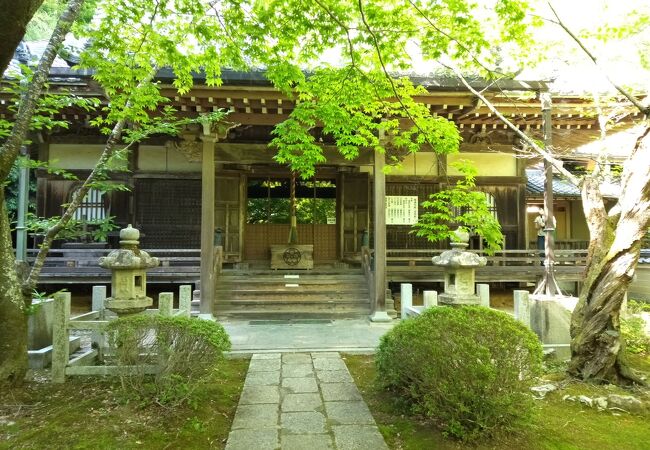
(87, 413)
(558, 425)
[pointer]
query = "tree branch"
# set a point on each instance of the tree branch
(107, 153)
(11, 148)
(13, 24)
(548, 156)
(643, 109)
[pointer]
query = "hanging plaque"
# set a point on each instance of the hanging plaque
(401, 210)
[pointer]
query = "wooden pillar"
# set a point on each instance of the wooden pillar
(379, 308)
(548, 286)
(207, 224)
(340, 214)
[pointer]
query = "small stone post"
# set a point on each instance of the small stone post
(430, 299)
(166, 303)
(522, 306)
(483, 292)
(60, 338)
(97, 337)
(185, 299)
(406, 296)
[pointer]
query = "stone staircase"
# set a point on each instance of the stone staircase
(282, 294)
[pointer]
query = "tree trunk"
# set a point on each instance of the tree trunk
(13, 23)
(293, 227)
(13, 317)
(28, 101)
(13, 306)
(597, 350)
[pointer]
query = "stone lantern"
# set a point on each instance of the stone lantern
(129, 278)
(459, 267)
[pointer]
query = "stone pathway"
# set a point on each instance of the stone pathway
(302, 401)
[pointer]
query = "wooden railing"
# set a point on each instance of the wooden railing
(82, 265)
(408, 265)
(183, 265)
(413, 257)
(565, 244)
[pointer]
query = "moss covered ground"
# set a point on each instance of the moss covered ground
(93, 414)
(558, 424)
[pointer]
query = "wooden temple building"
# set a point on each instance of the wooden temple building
(226, 192)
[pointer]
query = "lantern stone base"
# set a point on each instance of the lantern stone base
(288, 256)
(128, 306)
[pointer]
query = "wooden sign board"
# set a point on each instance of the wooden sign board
(401, 210)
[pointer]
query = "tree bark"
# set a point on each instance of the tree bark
(14, 302)
(13, 309)
(13, 23)
(597, 349)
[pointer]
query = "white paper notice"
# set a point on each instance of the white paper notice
(401, 210)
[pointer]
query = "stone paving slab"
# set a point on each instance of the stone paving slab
(259, 394)
(349, 413)
(334, 376)
(307, 442)
(318, 355)
(302, 401)
(257, 356)
(296, 358)
(358, 437)
(264, 365)
(302, 422)
(343, 334)
(258, 439)
(329, 364)
(300, 385)
(297, 370)
(333, 392)
(256, 416)
(271, 378)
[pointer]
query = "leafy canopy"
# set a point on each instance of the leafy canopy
(353, 52)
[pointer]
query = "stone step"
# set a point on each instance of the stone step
(354, 271)
(301, 279)
(293, 312)
(262, 278)
(290, 286)
(290, 297)
(270, 293)
(293, 301)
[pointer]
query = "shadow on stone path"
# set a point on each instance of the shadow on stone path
(302, 401)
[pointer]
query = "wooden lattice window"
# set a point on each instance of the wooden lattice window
(491, 206)
(92, 207)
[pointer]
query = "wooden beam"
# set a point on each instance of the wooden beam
(379, 307)
(231, 153)
(207, 225)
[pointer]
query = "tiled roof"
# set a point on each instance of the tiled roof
(561, 188)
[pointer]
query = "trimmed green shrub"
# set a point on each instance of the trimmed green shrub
(182, 352)
(467, 369)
